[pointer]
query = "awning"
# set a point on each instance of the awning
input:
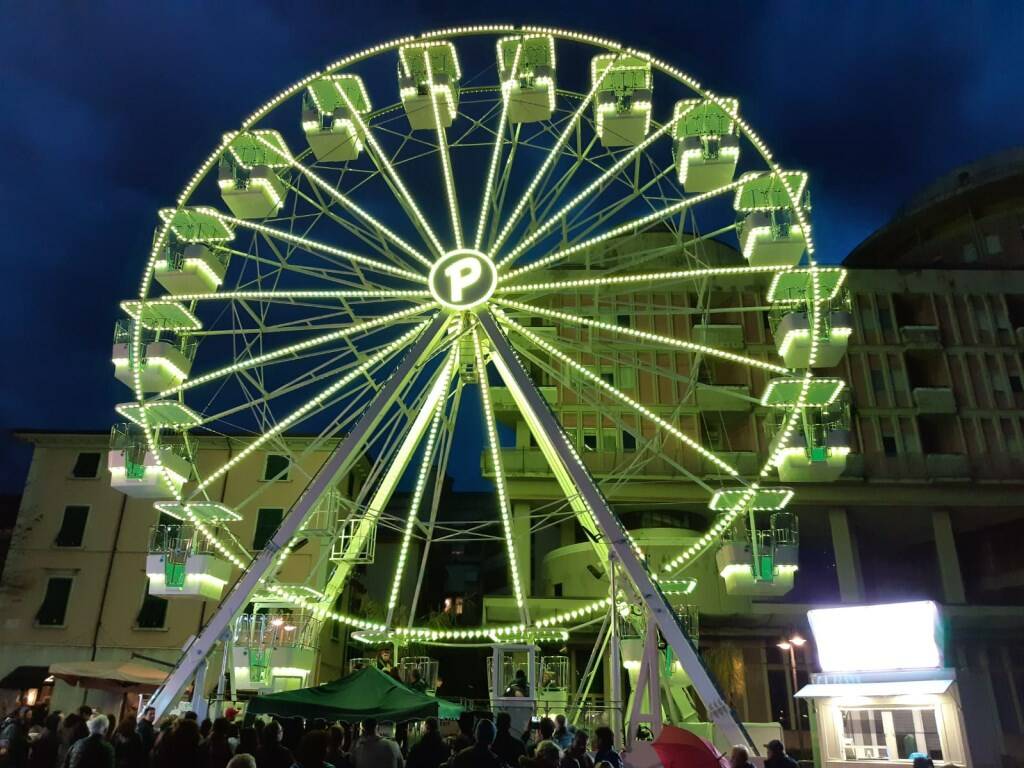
(889, 688)
(23, 678)
(368, 692)
(120, 676)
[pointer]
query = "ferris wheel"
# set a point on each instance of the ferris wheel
(494, 210)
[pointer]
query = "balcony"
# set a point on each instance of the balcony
(947, 466)
(744, 462)
(524, 463)
(724, 397)
(934, 400)
(721, 336)
(503, 402)
(921, 336)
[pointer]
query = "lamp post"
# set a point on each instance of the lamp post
(790, 644)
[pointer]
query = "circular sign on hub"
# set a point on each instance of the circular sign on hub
(463, 279)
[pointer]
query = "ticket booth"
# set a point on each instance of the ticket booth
(884, 694)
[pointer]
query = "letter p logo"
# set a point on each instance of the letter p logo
(461, 275)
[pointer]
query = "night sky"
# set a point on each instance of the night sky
(109, 107)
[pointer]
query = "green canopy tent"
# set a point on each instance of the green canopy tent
(367, 692)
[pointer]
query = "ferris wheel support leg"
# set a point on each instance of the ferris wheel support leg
(338, 464)
(549, 431)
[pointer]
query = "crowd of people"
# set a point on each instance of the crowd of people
(88, 739)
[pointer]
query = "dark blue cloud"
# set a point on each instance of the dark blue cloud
(107, 108)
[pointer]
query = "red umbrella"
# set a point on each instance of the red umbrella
(680, 748)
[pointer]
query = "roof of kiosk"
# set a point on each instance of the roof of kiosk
(367, 692)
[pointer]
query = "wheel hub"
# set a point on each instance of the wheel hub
(463, 280)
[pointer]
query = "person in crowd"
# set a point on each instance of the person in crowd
(545, 755)
(430, 751)
(180, 746)
(128, 750)
(563, 733)
(739, 757)
(465, 737)
(507, 746)
(336, 753)
(94, 751)
(204, 728)
(190, 715)
(13, 741)
(47, 746)
(545, 732)
(248, 742)
(111, 725)
(312, 751)
(346, 743)
(604, 747)
(216, 747)
(272, 754)
(480, 755)
(576, 756)
(371, 751)
(145, 729)
(242, 760)
(384, 660)
(776, 757)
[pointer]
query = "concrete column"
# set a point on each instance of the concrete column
(522, 541)
(949, 562)
(851, 585)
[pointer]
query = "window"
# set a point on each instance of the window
(267, 521)
(277, 467)
(628, 442)
(993, 245)
(87, 466)
(877, 380)
(890, 733)
(55, 603)
(72, 528)
(153, 613)
(1016, 386)
(627, 377)
(608, 377)
(558, 589)
(889, 445)
(590, 441)
(624, 321)
(885, 319)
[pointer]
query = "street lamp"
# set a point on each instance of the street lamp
(790, 644)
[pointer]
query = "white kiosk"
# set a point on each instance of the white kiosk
(884, 695)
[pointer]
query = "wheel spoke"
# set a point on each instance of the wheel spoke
(509, 225)
(621, 163)
(504, 504)
(297, 347)
(313, 245)
(381, 160)
(618, 394)
(629, 227)
(657, 338)
(438, 396)
(446, 164)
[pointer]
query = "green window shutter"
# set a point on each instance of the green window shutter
(55, 604)
(153, 613)
(72, 528)
(267, 521)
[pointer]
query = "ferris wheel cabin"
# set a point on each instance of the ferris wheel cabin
(706, 143)
(769, 229)
(428, 83)
(816, 438)
(166, 350)
(527, 69)
(793, 295)
(139, 471)
(182, 562)
(622, 101)
(274, 648)
(251, 173)
(327, 117)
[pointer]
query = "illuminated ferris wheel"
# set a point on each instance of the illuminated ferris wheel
(517, 209)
